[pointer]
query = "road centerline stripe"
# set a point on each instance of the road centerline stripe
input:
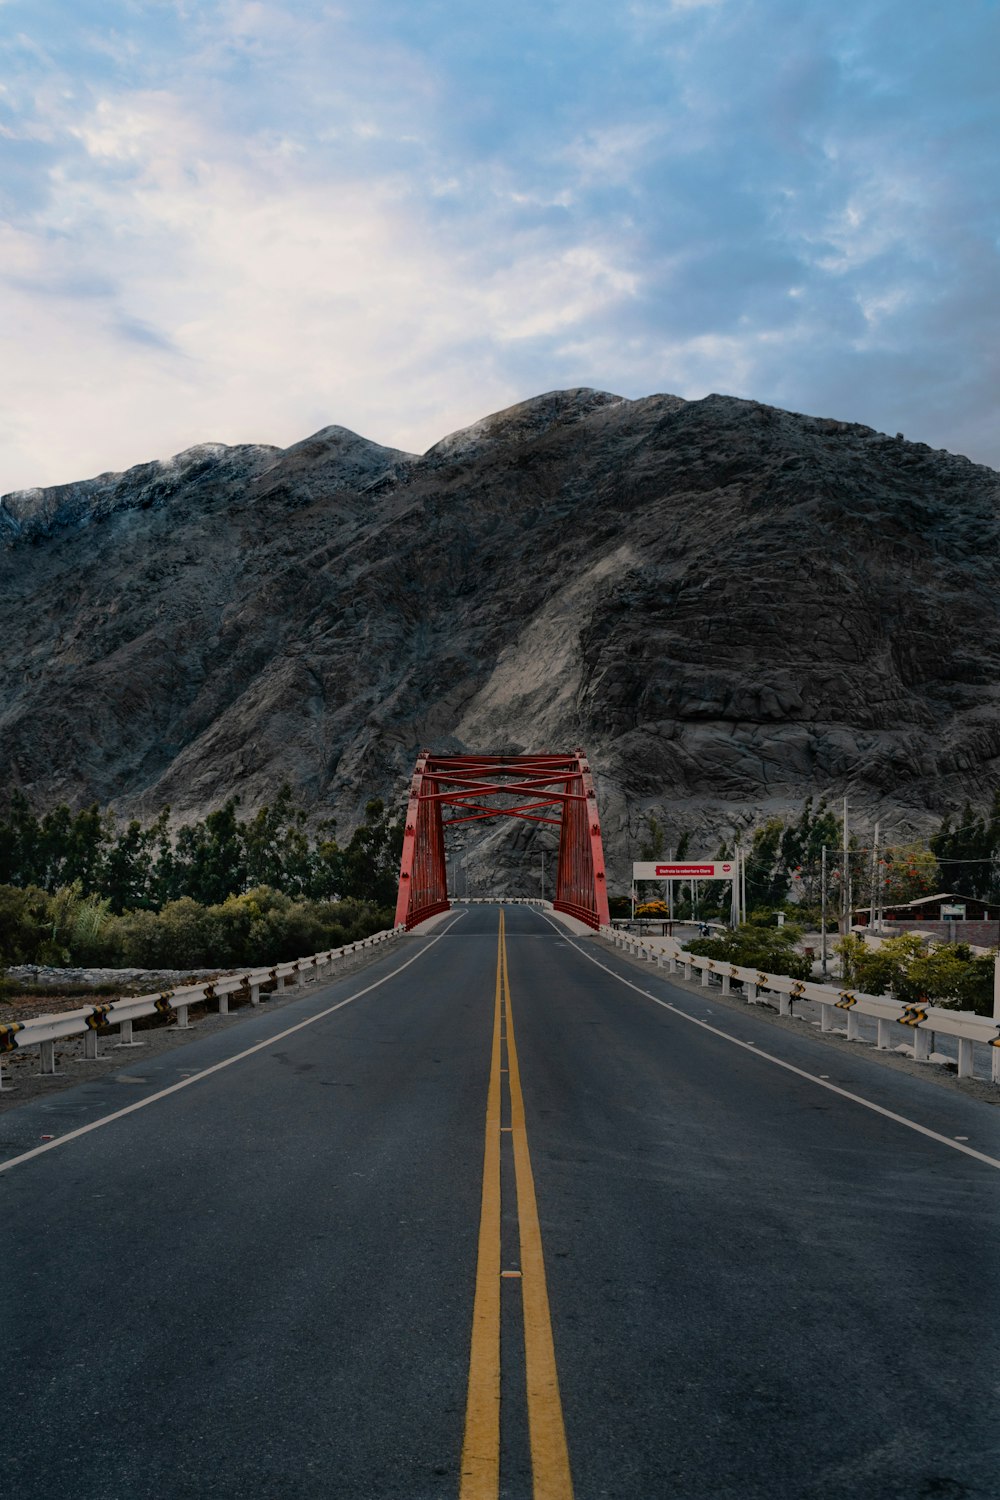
(481, 1444)
(550, 1470)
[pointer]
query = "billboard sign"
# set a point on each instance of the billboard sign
(705, 869)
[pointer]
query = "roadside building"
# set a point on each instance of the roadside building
(947, 915)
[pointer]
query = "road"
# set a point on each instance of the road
(697, 1256)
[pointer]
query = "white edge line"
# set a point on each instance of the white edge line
(755, 1051)
(227, 1062)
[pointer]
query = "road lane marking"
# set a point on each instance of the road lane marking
(819, 1080)
(481, 1444)
(550, 1471)
(130, 1109)
(480, 1469)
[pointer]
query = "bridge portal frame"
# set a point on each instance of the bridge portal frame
(546, 788)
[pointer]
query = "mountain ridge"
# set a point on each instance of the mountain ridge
(731, 607)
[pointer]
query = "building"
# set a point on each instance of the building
(947, 915)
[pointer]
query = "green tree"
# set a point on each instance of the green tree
(371, 859)
(210, 857)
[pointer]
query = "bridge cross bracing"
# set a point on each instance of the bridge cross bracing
(554, 789)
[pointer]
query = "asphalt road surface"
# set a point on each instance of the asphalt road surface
(502, 1215)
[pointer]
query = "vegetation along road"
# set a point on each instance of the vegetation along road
(502, 1215)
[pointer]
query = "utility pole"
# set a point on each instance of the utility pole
(873, 903)
(845, 884)
(543, 874)
(822, 937)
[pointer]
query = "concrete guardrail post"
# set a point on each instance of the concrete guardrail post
(923, 1045)
(726, 984)
(706, 978)
(784, 1004)
(853, 1027)
(751, 990)
(48, 1058)
(966, 1055)
(125, 1037)
(884, 1041)
(182, 1023)
(825, 1017)
(255, 993)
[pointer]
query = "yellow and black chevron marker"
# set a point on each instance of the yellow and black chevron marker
(912, 1015)
(209, 992)
(797, 990)
(734, 972)
(98, 1018)
(8, 1035)
(763, 981)
(846, 1000)
(162, 1003)
(994, 1041)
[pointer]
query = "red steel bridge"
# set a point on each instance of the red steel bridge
(553, 789)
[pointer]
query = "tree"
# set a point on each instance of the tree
(909, 871)
(210, 857)
(969, 855)
(371, 859)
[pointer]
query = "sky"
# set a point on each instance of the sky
(241, 220)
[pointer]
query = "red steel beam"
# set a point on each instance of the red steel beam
(581, 884)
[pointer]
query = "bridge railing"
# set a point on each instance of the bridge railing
(99, 1020)
(922, 1021)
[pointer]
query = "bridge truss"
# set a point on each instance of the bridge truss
(553, 789)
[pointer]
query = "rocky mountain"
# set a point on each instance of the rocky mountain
(730, 606)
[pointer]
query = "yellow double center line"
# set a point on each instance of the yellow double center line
(546, 1432)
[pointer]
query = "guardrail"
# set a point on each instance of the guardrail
(922, 1021)
(95, 1021)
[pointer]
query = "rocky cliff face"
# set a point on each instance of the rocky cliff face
(730, 607)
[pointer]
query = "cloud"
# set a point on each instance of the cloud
(242, 220)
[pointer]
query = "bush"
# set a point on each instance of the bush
(770, 949)
(902, 966)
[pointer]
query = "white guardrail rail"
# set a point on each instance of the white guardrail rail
(922, 1021)
(94, 1021)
